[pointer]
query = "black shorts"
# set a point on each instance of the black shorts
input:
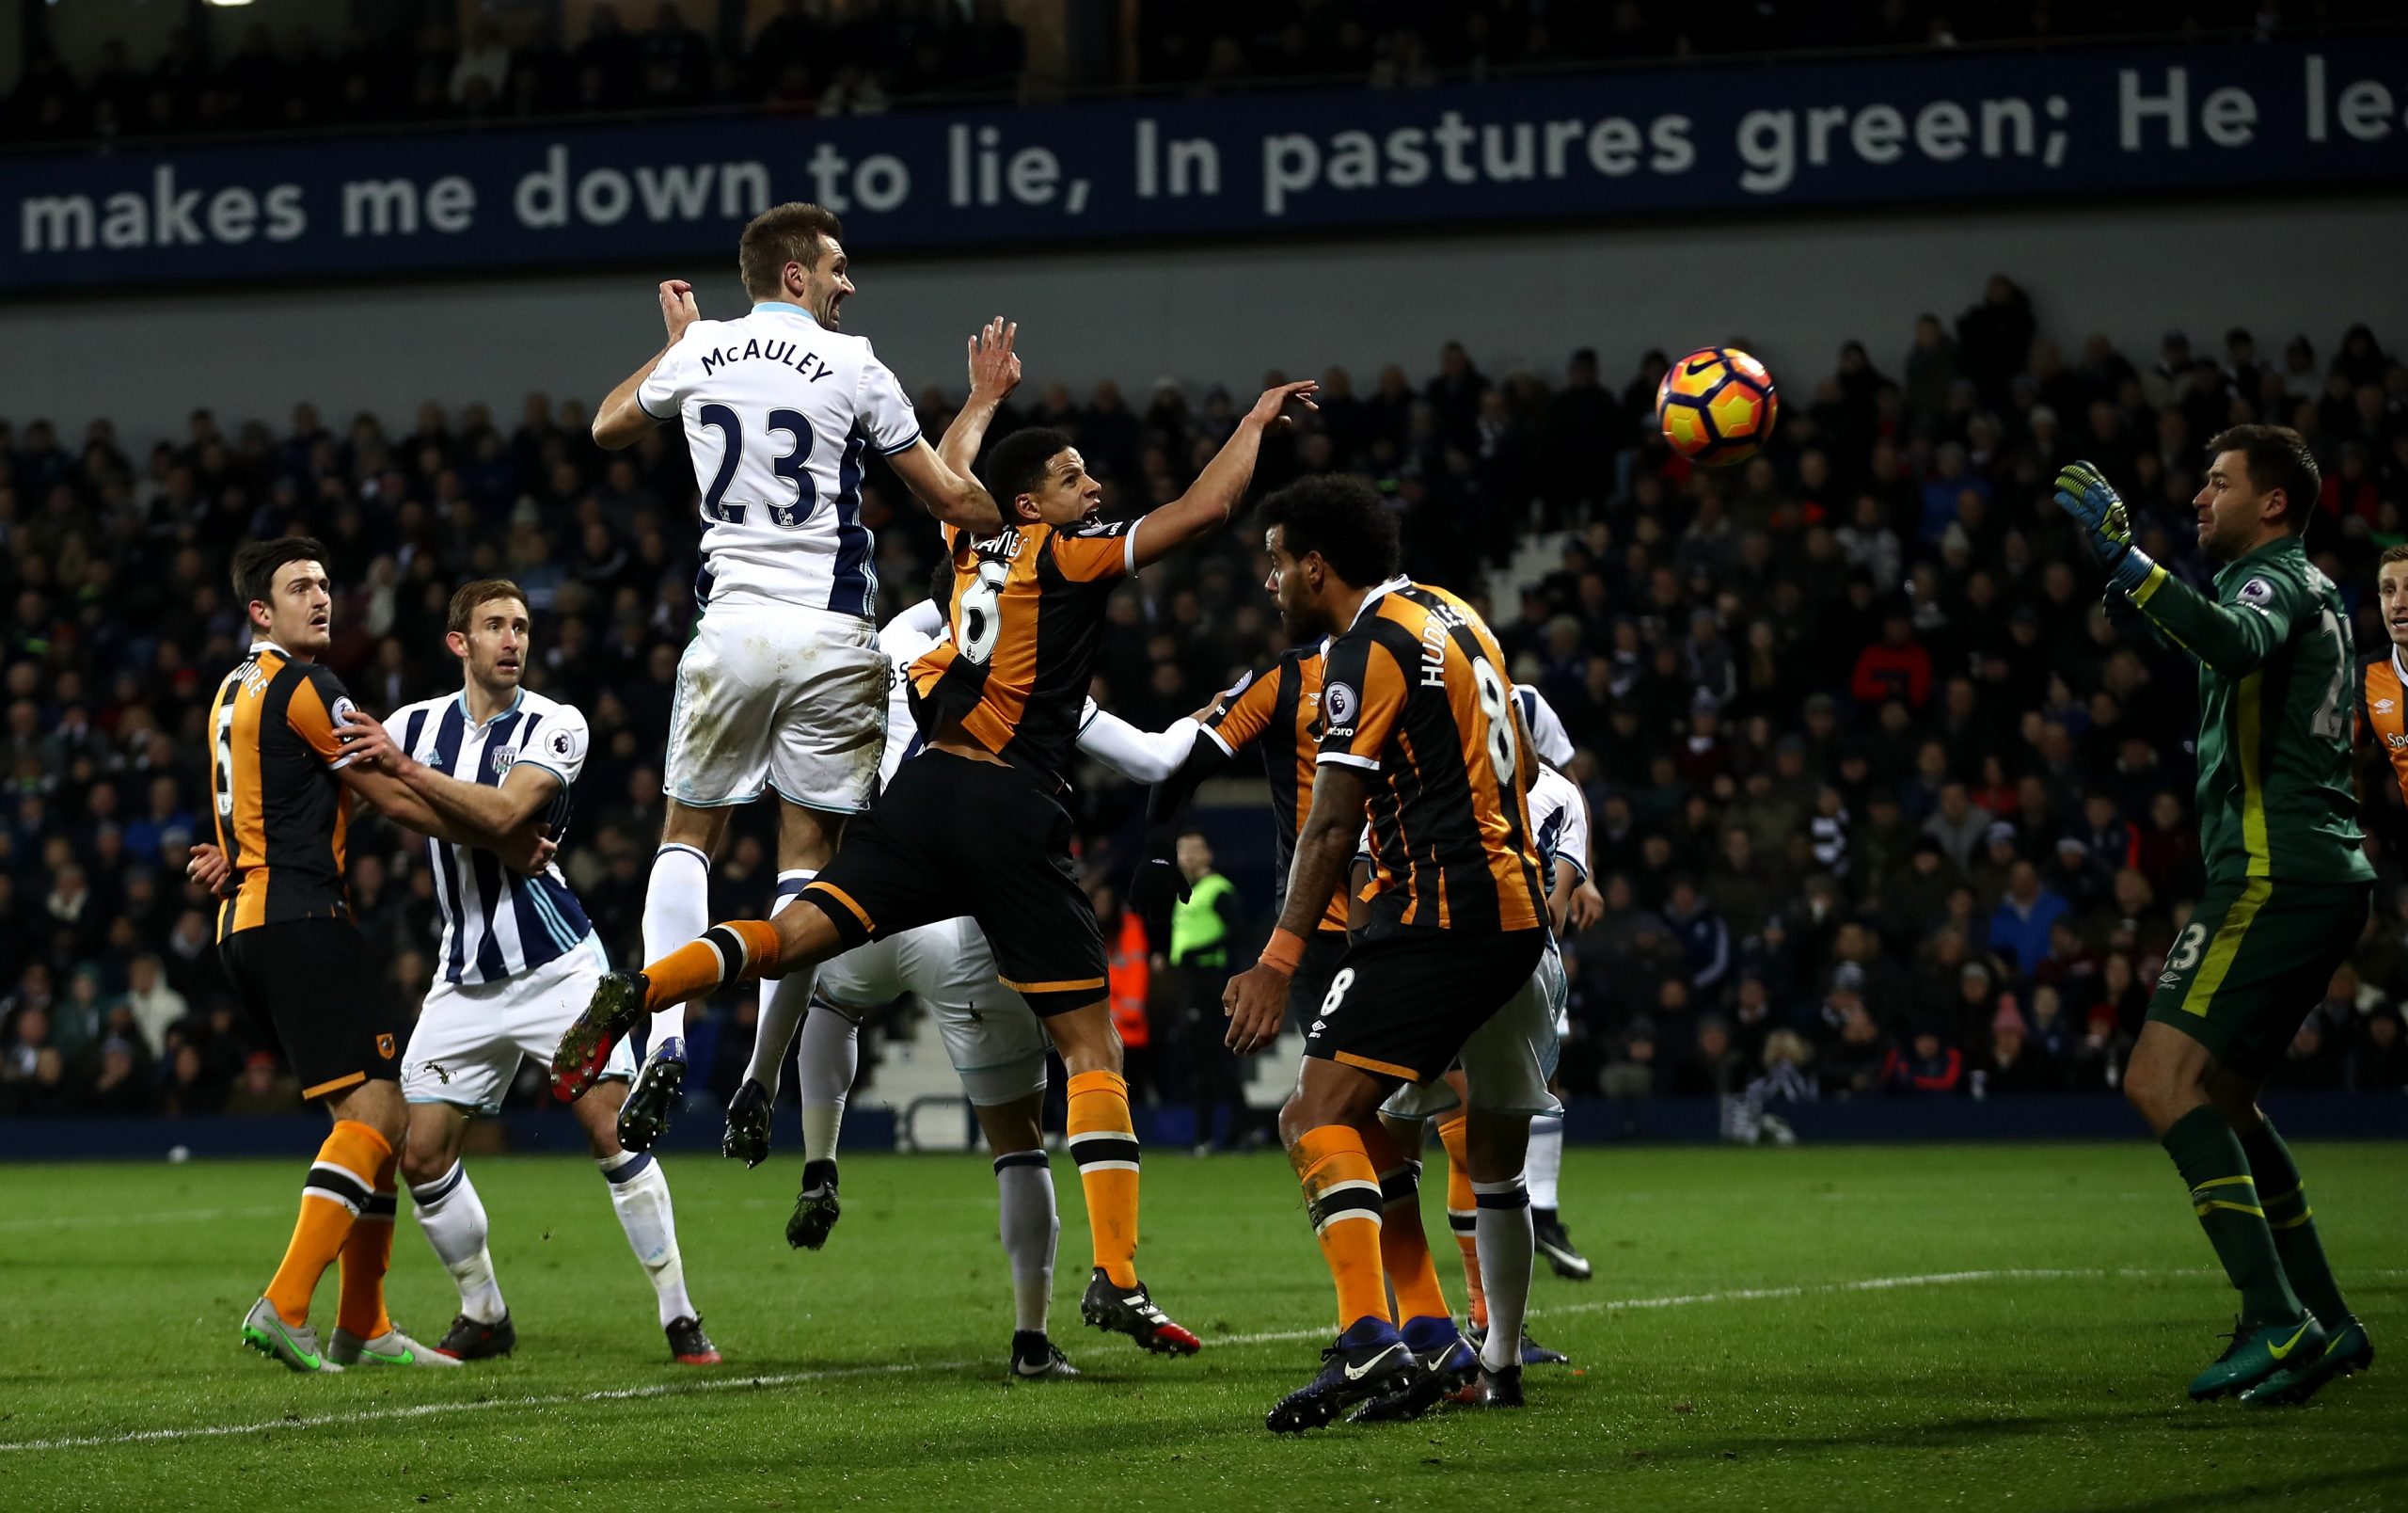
(951, 837)
(1402, 1006)
(311, 984)
(1323, 950)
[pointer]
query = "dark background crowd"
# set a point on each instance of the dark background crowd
(834, 57)
(1883, 803)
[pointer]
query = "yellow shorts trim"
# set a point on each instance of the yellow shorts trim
(2227, 945)
(1384, 1068)
(845, 898)
(1080, 985)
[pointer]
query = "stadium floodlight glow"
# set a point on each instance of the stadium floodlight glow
(229, 2)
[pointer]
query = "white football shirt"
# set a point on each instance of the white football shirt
(492, 923)
(778, 412)
(1559, 823)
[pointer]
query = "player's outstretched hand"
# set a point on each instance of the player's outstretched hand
(677, 307)
(209, 869)
(1256, 1001)
(1270, 411)
(2083, 492)
(994, 367)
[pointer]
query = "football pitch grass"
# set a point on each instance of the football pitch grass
(2000, 1326)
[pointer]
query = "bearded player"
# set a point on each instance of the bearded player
(2288, 886)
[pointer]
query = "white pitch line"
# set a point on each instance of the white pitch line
(1932, 1278)
(159, 1216)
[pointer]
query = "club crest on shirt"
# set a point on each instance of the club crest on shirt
(502, 757)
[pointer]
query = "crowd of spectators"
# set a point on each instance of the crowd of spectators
(1882, 801)
(852, 56)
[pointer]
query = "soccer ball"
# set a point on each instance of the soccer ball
(1716, 406)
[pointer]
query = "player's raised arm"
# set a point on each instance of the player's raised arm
(941, 476)
(1214, 497)
(620, 419)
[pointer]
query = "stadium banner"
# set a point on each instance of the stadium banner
(1963, 128)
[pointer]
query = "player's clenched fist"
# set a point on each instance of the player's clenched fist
(677, 307)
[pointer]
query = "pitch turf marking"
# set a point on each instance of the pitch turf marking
(679, 1388)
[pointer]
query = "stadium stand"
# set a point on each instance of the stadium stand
(831, 57)
(1881, 803)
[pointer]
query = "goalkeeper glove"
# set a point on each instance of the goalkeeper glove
(2084, 494)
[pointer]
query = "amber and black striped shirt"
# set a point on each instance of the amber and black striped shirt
(1023, 632)
(1279, 711)
(1413, 693)
(274, 756)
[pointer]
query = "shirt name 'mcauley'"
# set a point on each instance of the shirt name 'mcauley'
(784, 354)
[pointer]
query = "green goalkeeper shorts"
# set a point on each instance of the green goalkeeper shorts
(2257, 956)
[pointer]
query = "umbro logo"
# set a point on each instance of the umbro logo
(2383, 706)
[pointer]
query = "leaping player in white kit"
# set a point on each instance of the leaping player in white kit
(783, 687)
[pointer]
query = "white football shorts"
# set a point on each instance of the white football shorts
(994, 1039)
(471, 1037)
(1509, 1061)
(778, 696)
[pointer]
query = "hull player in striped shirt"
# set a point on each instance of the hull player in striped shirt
(1419, 726)
(997, 1044)
(971, 824)
(288, 752)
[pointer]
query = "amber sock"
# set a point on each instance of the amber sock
(1462, 1214)
(342, 1182)
(1104, 1142)
(1404, 1245)
(367, 1255)
(736, 952)
(1342, 1199)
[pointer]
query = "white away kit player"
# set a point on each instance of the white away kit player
(782, 687)
(996, 1043)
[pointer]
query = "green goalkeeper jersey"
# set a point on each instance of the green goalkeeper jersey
(2275, 709)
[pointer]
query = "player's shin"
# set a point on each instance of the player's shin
(676, 907)
(1544, 1164)
(2225, 1196)
(1342, 1200)
(1506, 1248)
(1031, 1230)
(783, 1001)
(639, 1193)
(736, 952)
(367, 1255)
(2283, 1195)
(1104, 1142)
(342, 1181)
(1462, 1213)
(1404, 1245)
(452, 1217)
(831, 1059)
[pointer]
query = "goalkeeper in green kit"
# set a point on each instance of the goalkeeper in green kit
(2288, 886)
